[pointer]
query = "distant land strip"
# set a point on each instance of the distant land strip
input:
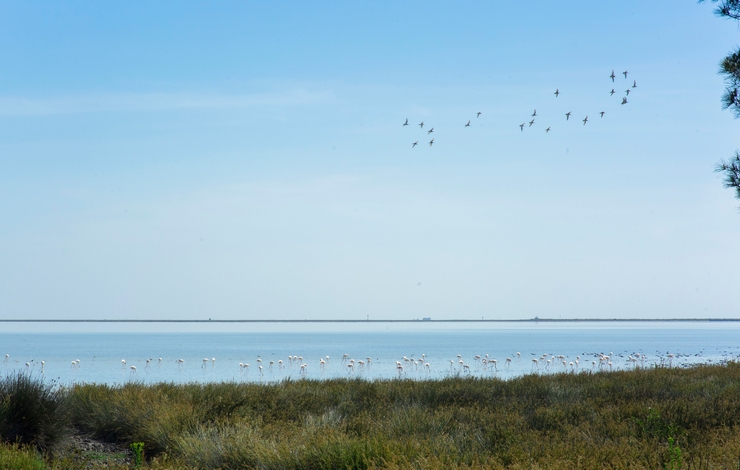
(527, 320)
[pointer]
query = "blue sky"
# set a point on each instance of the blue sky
(247, 160)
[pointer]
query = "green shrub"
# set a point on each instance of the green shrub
(32, 412)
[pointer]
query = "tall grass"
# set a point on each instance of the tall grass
(635, 419)
(32, 412)
(657, 418)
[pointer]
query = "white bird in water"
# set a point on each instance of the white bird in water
(557, 92)
(567, 115)
(612, 76)
(406, 123)
(468, 124)
(431, 142)
(415, 144)
(585, 120)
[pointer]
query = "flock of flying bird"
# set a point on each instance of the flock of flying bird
(557, 93)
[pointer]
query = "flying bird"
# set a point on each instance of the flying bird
(406, 123)
(627, 91)
(421, 125)
(468, 124)
(585, 120)
(478, 114)
(430, 130)
(625, 74)
(547, 130)
(534, 113)
(612, 76)
(531, 122)
(612, 92)
(431, 142)
(634, 83)
(602, 113)
(415, 144)
(567, 115)
(521, 126)
(557, 92)
(624, 100)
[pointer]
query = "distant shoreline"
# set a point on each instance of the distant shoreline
(528, 320)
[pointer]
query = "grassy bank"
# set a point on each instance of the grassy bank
(657, 418)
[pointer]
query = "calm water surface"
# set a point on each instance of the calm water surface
(100, 353)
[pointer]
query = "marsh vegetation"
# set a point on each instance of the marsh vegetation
(653, 418)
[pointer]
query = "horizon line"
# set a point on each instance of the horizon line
(426, 320)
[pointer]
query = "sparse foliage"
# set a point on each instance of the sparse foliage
(730, 69)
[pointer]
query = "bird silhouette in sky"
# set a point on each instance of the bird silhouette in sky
(468, 124)
(627, 91)
(531, 122)
(557, 92)
(521, 126)
(624, 100)
(612, 92)
(478, 114)
(634, 83)
(534, 113)
(421, 124)
(625, 74)
(406, 123)
(415, 144)
(547, 130)
(602, 113)
(612, 76)
(430, 131)
(567, 115)
(431, 142)
(585, 120)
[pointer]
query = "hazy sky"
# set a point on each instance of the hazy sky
(247, 160)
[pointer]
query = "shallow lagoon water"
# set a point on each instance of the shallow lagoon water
(100, 352)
